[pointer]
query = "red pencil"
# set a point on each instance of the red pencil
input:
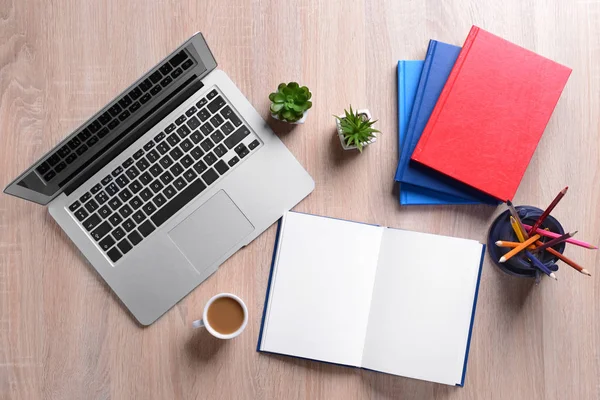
(548, 210)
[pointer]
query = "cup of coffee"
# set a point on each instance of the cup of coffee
(225, 316)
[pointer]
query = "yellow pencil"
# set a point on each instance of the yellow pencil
(517, 229)
(521, 247)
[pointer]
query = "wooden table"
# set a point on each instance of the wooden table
(64, 335)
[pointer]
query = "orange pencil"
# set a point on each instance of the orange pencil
(504, 243)
(565, 259)
(521, 247)
(548, 210)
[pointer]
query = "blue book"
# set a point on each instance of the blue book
(438, 63)
(372, 297)
(409, 73)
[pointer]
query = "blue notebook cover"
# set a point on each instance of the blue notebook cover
(438, 63)
(409, 73)
(268, 291)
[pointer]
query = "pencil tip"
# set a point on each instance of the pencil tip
(508, 203)
(593, 247)
(502, 259)
(586, 272)
(498, 242)
(553, 276)
(564, 190)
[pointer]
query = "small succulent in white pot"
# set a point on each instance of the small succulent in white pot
(355, 129)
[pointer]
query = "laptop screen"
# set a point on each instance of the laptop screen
(122, 117)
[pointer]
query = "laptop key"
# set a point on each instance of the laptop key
(91, 206)
(254, 144)
(118, 233)
(166, 162)
(159, 200)
(196, 137)
(170, 128)
(187, 64)
(203, 114)
(122, 181)
(165, 82)
(155, 77)
(149, 208)
(242, 151)
(164, 147)
(146, 194)
(210, 176)
(169, 192)
(124, 115)
(221, 167)
(128, 224)
(166, 178)
(135, 106)
(114, 254)
(191, 111)
(190, 175)
(152, 156)
(125, 101)
(202, 102)
(91, 222)
(81, 214)
(207, 144)
(216, 120)
(134, 238)
(216, 104)
(217, 136)
(113, 124)
(165, 69)
(156, 186)
(207, 129)
(85, 197)
(107, 243)
(173, 140)
(235, 120)
(176, 73)
(117, 171)
(149, 145)
(186, 145)
(145, 98)
(155, 170)
(227, 128)
(135, 186)
(176, 153)
(115, 203)
(81, 149)
(146, 228)
(124, 246)
(104, 211)
(132, 173)
(236, 137)
(177, 202)
(101, 197)
(180, 120)
(200, 167)
(179, 183)
(233, 161)
(125, 211)
(187, 161)
(227, 112)
(101, 231)
(210, 159)
(60, 166)
(220, 150)
(184, 131)
(193, 123)
(115, 219)
(125, 194)
(138, 217)
(127, 162)
(211, 95)
(135, 93)
(74, 206)
(112, 189)
(135, 203)
(102, 132)
(197, 152)
(70, 158)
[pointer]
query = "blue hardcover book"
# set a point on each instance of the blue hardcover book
(438, 63)
(371, 297)
(409, 73)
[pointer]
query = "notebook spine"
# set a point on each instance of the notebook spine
(417, 104)
(445, 92)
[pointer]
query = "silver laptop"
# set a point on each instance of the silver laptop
(167, 181)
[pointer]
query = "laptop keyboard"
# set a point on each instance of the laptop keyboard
(165, 174)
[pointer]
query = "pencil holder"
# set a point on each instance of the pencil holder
(502, 230)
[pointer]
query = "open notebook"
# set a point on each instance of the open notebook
(366, 296)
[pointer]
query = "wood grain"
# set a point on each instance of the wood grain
(64, 335)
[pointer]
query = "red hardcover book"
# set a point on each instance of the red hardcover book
(491, 114)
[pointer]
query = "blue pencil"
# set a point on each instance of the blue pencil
(539, 265)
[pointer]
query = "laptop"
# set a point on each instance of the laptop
(167, 181)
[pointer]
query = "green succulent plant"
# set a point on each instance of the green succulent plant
(356, 129)
(290, 101)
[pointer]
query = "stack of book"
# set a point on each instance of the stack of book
(470, 119)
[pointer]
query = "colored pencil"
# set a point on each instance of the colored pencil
(555, 235)
(504, 243)
(539, 265)
(548, 210)
(518, 249)
(518, 232)
(515, 215)
(555, 241)
(566, 260)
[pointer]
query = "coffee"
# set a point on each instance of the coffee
(225, 315)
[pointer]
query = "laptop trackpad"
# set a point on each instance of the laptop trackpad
(210, 231)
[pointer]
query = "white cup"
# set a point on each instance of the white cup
(204, 323)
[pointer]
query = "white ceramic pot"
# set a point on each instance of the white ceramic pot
(300, 121)
(341, 135)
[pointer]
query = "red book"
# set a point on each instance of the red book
(491, 114)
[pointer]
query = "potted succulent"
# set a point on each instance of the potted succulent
(355, 129)
(290, 103)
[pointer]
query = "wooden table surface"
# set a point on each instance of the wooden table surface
(64, 335)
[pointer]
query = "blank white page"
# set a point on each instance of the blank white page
(422, 305)
(321, 289)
